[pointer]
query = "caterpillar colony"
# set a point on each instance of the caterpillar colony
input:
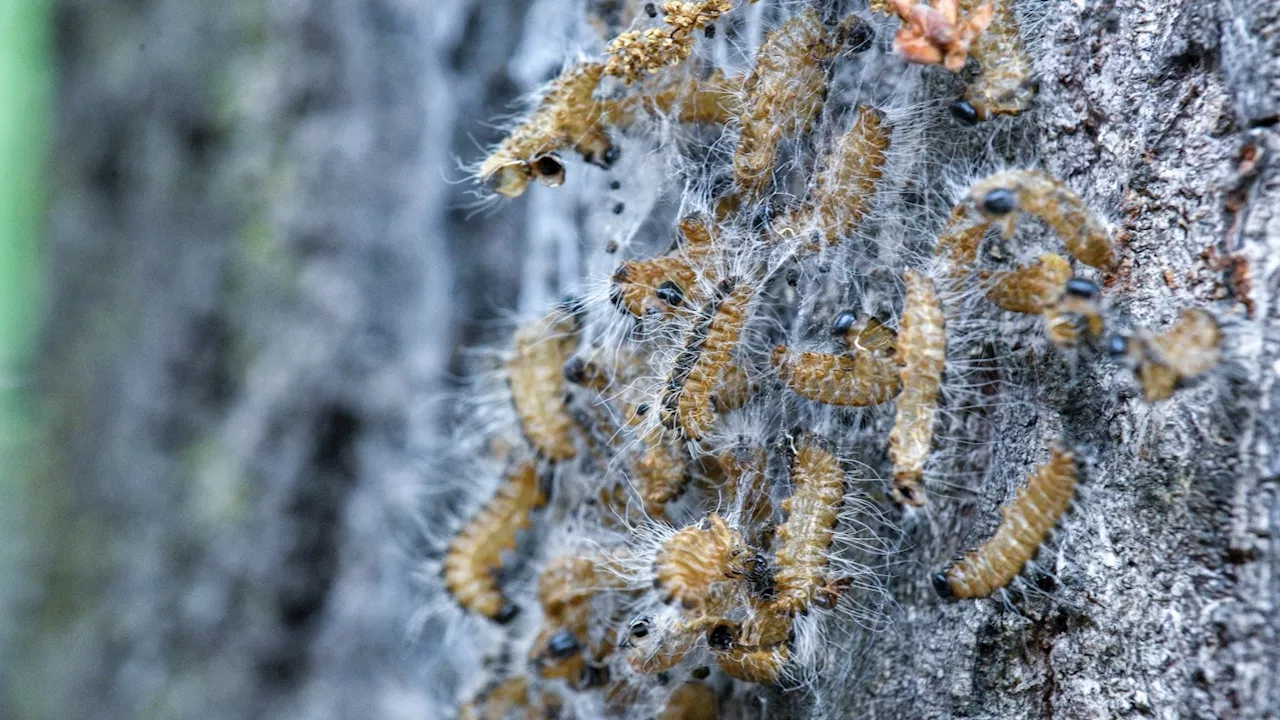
(709, 454)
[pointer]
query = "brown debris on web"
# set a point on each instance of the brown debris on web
(937, 34)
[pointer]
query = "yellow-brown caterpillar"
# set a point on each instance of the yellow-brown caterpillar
(1031, 289)
(1028, 520)
(1000, 198)
(475, 554)
(1077, 316)
(689, 400)
(937, 34)
(691, 563)
(566, 588)
(784, 94)
(661, 471)
(803, 540)
(692, 701)
(868, 376)
(665, 283)
(1164, 362)
(639, 52)
(567, 117)
(501, 702)
(755, 650)
(1006, 85)
(845, 184)
(922, 350)
(536, 376)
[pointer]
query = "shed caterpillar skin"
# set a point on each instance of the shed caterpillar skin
(689, 399)
(1031, 289)
(803, 540)
(666, 283)
(691, 701)
(937, 34)
(845, 185)
(1028, 520)
(567, 117)
(1164, 362)
(536, 377)
(636, 53)
(1000, 198)
(475, 553)
(922, 351)
(692, 562)
(1007, 84)
(869, 376)
(784, 95)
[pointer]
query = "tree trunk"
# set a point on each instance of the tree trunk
(265, 271)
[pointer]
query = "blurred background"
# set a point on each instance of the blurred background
(259, 259)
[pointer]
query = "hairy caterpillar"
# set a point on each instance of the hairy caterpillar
(937, 35)
(567, 117)
(784, 94)
(804, 539)
(475, 554)
(689, 399)
(1007, 83)
(755, 650)
(1028, 520)
(1164, 362)
(662, 472)
(691, 701)
(536, 376)
(566, 588)
(960, 239)
(1077, 316)
(692, 562)
(664, 283)
(501, 701)
(638, 52)
(845, 184)
(922, 350)
(868, 377)
(1001, 196)
(1032, 289)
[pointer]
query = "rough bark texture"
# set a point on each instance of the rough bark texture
(261, 276)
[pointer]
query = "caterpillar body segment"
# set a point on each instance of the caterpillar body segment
(1028, 520)
(1164, 362)
(691, 563)
(845, 184)
(474, 556)
(1032, 289)
(568, 116)
(537, 380)
(661, 471)
(960, 239)
(1077, 317)
(692, 701)
(1002, 196)
(689, 400)
(868, 376)
(1007, 83)
(666, 283)
(922, 350)
(938, 34)
(634, 54)
(501, 702)
(803, 541)
(755, 650)
(784, 94)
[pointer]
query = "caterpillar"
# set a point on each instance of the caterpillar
(784, 94)
(691, 701)
(1001, 196)
(567, 117)
(688, 401)
(639, 52)
(689, 565)
(662, 472)
(501, 701)
(755, 650)
(746, 484)
(475, 553)
(960, 239)
(665, 283)
(652, 654)
(566, 588)
(1077, 316)
(1164, 362)
(1007, 83)
(1032, 289)
(804, 539)
(937, 34)
(922, 346)
(536, 376)
(845, 184)
(1028, 520)
(868, 377)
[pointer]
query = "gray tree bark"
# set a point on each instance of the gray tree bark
(263, 275)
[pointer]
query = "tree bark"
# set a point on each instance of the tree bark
(264, 271)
